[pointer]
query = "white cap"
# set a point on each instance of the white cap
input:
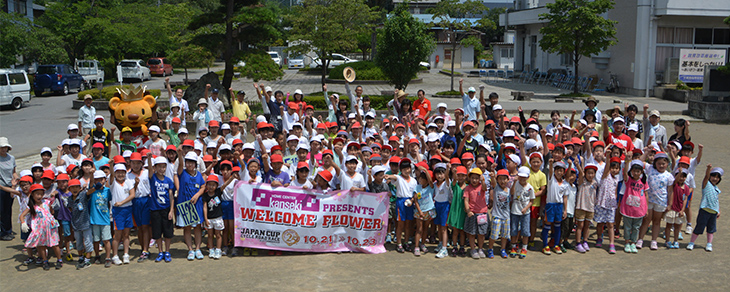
(315, 138)
(98, 117)
(212, 144)
(534, 127)
(486, 146)
(370, 114)
(432, 137)
(378, 168)
(260, 118)
(633, 127)
(198, 146)
(350, 158)
(174, 104)
(74, 142)
(432, 125)
(496, 107)
(351, 116)
(267, 88)
(37, 164)
(619, 119)
(472, 89)
(584, 122)
(60, 169)
(298, 91)
(508, 133)
(154, 128)
(25, 172)
(302, 145)
(101, 174)
(592, 139)
(46, 149)
(191, 156)
(655, 146)
(182, 130)
(159, 160)
(72, 127)
(224, 147)
(530, 143)
(127, 154)
(438, 118)
(225, 127)
(248, 146)
(292, 138)
(515, 158)
(441, 104)
(451, 123)
(523, 171)
(120, 167)
(65, 142)
(297, 124)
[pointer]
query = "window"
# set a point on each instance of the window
(683, 35)
(566, 59)
(3, 79)
(20, 7)
(721, 36)
(447, 54)
(665, 35)
(16, 78)
(703, 36)
(507, 52)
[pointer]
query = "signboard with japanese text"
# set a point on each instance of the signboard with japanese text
(692, 63)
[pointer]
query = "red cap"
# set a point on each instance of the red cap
(356, 125)
(49, 174)
(36, 187)
(69, 168)
(394, 139)
(302, 164)
(559, 145)
(567, 143)
(276, 158)
(531, 120)
(236, 169)
(119, 159)
(293, 105)
(97, 145)
(322, 126)
(213, 123)
(414, 141)
(468, 124)
(394, 159)
(327, 152)
(489, 122)
(422, 164)
(326, 175)
(171, 147)
(455, 161)
(27, 178)
(684, 159)
(338, 139)
(637, 151)
(226, 162)
(490, 159)
(62, 176)
(506, 119)
(213, 178)
(236, 142)
(234, 119)
(615, 159)
(515, 119)
(375, 155)
(136, 156)
(309, 106)
(261, 125)
(536, 154)
(592, 166)
(176, 120)
(502, 172)
(461, 170)
(599, 144)
(688, 145)
(276, 147)
(331, 125)
(400, 126)
(207, 158)
(576, 141)
(386, 146)
(467, 156)
(436, 157)
(551, 146)
(74, 182)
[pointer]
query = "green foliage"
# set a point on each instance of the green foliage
(573, 94)
(191, 56)
(451, 73)
(20, 37)
(327, 27)
(259, 66)
(402, 44)
(488, 25)
(724, 69)
(13, 37)
(476, 42)
(364, 70)
(448, 92)
(108, 92)
(577, 27)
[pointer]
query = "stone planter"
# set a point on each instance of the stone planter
(104, 104)
(369, 82)
(446, 96)
(676, 95)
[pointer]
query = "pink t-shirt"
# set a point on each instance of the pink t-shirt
(477, 199)
(634, 201)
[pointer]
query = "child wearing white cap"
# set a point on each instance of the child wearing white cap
(155, 144)
(709, 207)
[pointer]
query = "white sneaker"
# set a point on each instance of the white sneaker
(125, 259)
(121, 246)
(116, 260)
(218, 253)
(152, 243)
(689, 229)
(708, 247)
(211, 253)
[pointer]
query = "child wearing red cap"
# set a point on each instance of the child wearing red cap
(274, 175)
(43, 227)
(78, 204)
(477, 200)
(457, 215)
(213, 214)
(63, 214)
(502, 200)
(302, 173)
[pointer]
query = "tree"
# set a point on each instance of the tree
(260, 66)
(191, 56)
(488, 25)
(576, 27)
(402, 44)
(14, 29)
(454, 16)
(77, 24)
(329, 26)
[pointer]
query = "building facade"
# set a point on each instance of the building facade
(650, 34)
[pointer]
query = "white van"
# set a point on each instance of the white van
(14, 88)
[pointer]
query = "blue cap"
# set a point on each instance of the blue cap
(215, 90)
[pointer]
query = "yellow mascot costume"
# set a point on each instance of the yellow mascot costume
(135, 108)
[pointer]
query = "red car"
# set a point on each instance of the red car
(160, 66)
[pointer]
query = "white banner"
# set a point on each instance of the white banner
(692, 63)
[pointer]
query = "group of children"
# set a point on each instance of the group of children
(444, 176)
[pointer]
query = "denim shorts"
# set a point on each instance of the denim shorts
(520, 224)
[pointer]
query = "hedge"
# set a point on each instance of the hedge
(364, 70)
(378, 102)
(108, 92)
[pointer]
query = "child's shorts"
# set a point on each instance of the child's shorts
(471, 226)
(705, 219)
(141, 211)
(604, 215)
(535, 212)
(160, 224)
(101, 232)
(391, 209)
(442, 213)
(427, 215)
(66, 228)
(500, 228)
(553, 212)
(122, 217)
(84, 239)
(656, 207)
(216, 223)
(403, 213)
(227, 207)
(519, 224)
(582, 215)
(672, 217)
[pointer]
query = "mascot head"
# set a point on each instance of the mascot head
(134, 108)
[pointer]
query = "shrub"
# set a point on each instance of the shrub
(108, 92)
(573, 94)
(448, 92)
(364, 70)
(378, 102)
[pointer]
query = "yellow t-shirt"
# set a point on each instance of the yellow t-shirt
(537, 180)
(240, 110)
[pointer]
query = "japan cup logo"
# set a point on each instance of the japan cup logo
(290, 237)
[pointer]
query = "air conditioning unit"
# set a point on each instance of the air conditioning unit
(671, 70)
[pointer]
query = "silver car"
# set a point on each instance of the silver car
(135, 69)
(296, 62)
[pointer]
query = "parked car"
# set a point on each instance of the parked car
(296, 62)
(275, 57)
(160, 66)
(425, 64)
(59, 78)
(135, 69)
(91, 71)
(337, 59)
(14, 88)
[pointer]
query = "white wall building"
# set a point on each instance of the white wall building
(649, 32)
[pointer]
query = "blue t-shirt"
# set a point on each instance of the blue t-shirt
(160, 192)
(425, 197)
(189, 186)
(99, 163)
(282, 177)
(99, 206)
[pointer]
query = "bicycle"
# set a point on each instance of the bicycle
(613, 84)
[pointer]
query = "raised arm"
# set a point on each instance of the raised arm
(461, 86)
(707, 176)
(167, 86)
